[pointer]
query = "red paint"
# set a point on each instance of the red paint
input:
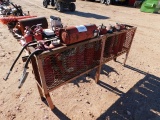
(71, 35)
(38, 37)
(28, 38)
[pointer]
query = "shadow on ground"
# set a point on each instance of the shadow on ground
(141, 102)
(87, 15)
(85, 78)
(57, 112)
(83, 14)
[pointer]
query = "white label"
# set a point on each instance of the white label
(81, 28)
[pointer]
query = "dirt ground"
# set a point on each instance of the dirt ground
(123, 93)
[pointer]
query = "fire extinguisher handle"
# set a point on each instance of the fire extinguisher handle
(7, 75)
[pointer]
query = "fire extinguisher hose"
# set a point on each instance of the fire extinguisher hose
(5, 78)
(22, 79)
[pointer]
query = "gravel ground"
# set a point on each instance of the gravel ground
(123, 93)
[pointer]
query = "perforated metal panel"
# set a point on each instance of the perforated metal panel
(69, 62)
(118, 43)
(66, 63)
(108, 49)
(129, 37)
(60, 67)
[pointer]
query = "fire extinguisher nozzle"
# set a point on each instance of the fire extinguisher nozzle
(5, 78)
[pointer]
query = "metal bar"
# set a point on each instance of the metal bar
(129, 47)
(123, 31)
(48, 40)
(31, 49)
(97, 76)
(39, 85)
(40, 91)
(73, 78)
(63, 48)
(107, 59)
(116, 34)
(35, 70)
(44, 86)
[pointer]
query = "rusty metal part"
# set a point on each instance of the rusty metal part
(63, 66)
(66, 63)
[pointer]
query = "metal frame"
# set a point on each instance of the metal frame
(39, 73)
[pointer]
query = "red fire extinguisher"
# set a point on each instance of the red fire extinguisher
(102, 29)
(38, 36)
(74, 34)
(28, 36)
(38, 33)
